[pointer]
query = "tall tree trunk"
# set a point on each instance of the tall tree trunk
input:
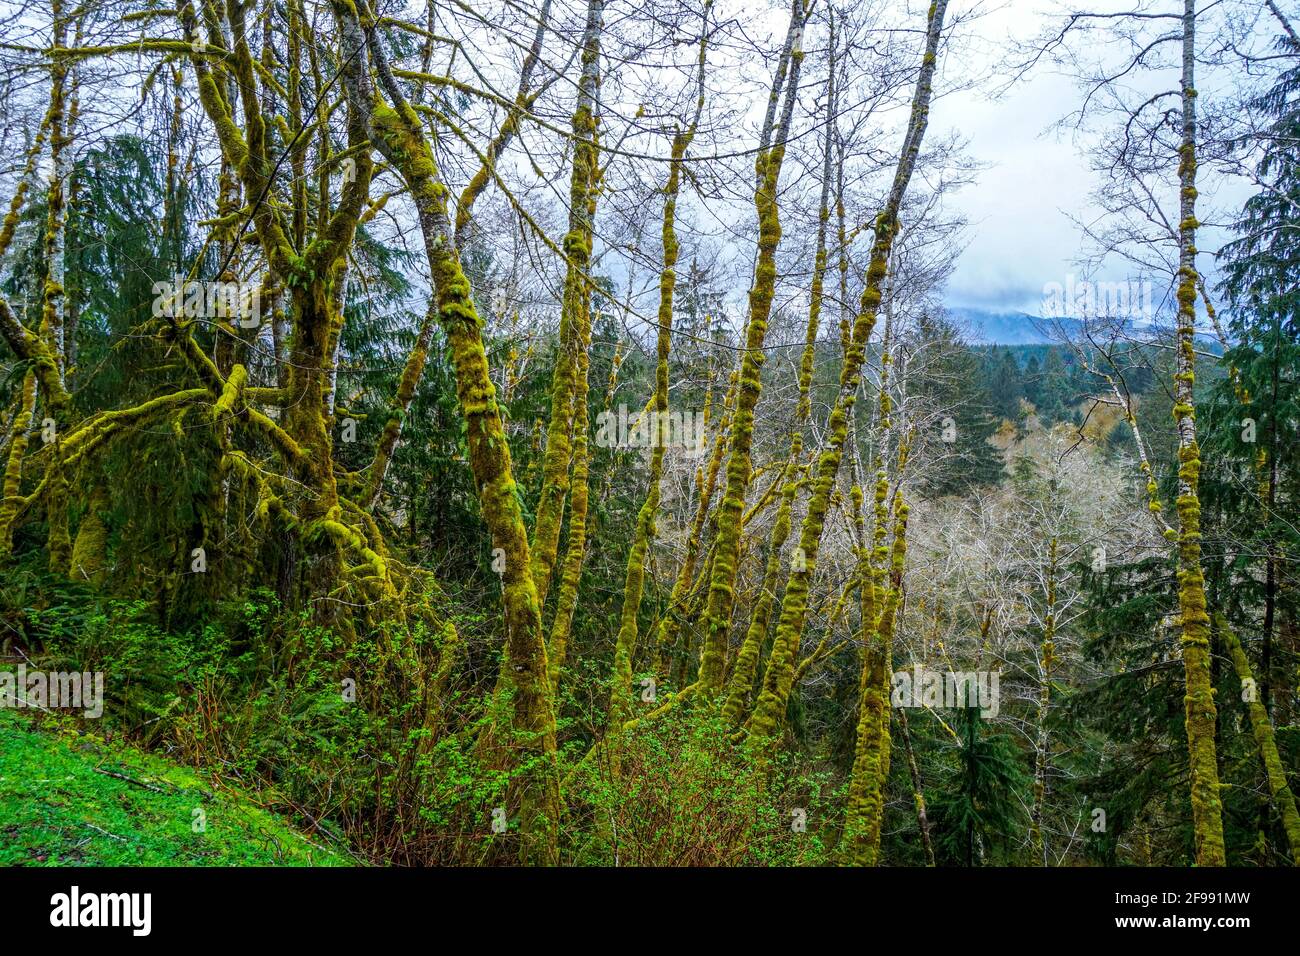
(769, 713)
(918, 792)
(767, 168)
(741, 682)
(577, 248)
(419, 356)
(1280, 792)
(398, 135)
(575, 551)
(59, 541)
(1199, 698)
(13, 474)
(706, 479)
(1047, 659)
(625, 644)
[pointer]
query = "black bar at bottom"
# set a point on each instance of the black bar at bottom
(550, 906)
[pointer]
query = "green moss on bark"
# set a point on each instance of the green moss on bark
(1261, 726)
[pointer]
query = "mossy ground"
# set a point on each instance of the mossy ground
(61, 805)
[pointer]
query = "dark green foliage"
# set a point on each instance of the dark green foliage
(1006, 386)
(978, 805)
(962, 420)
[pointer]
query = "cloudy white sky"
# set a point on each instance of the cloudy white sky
(1017, 209)
(1036, 178)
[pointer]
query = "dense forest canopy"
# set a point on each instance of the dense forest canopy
(535, 431)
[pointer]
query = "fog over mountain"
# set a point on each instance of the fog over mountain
(991, 327)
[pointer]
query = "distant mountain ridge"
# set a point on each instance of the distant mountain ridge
(988, 327)
(993, 327)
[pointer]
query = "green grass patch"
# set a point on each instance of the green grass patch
(69, 799)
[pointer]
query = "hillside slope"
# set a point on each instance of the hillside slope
(75, 801)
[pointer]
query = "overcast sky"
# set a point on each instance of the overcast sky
(1021, 236)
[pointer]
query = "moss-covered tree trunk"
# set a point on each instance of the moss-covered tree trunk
(625, 644)
(1280, 793)
(740, 684)
(59, 540)
(90, 549)
(575, 551)
(24, 345)
(577, 249)
(865, 813)
(767, 167)
(1200, 715)
(11, 489)
(918, 791)
(706, 480)
(880, 589)
(52, 312)
(396, 131)
(314, 278)
(413, 371)
(769, 712)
